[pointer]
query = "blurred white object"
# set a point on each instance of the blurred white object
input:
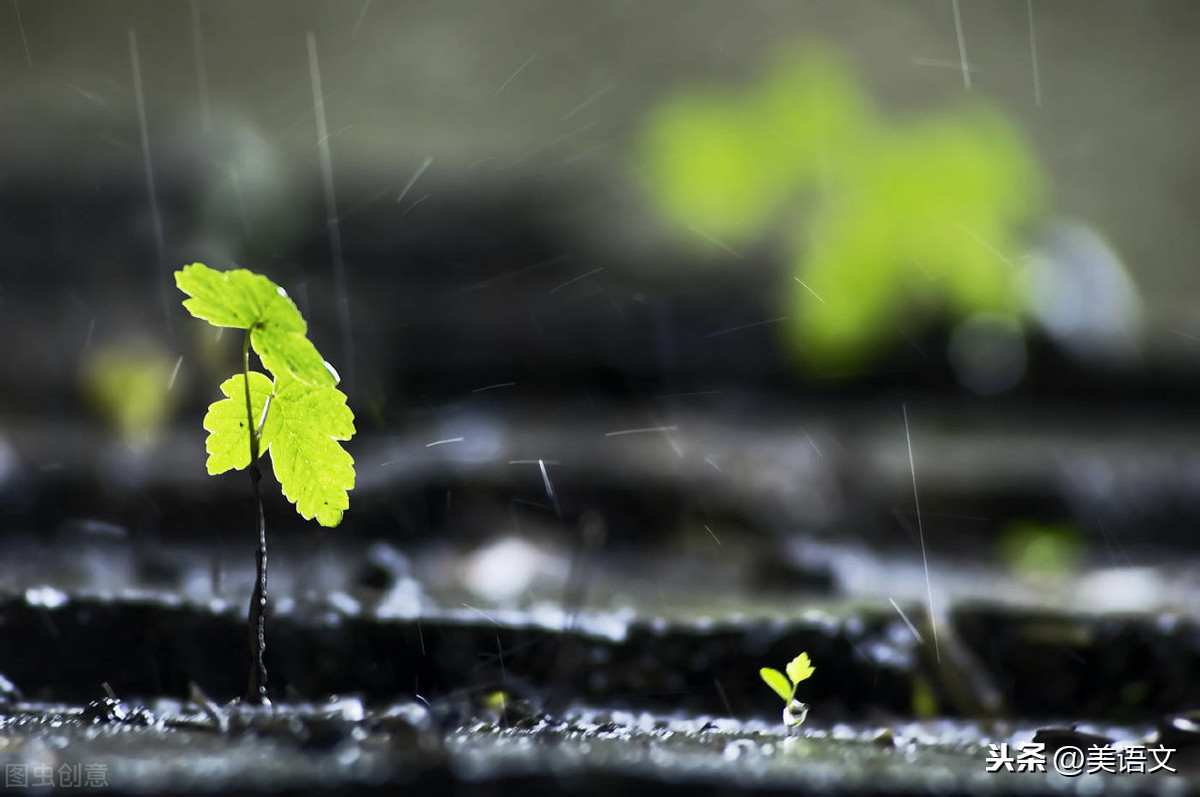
(1123, 589)
(506, 567)
(1082, 295)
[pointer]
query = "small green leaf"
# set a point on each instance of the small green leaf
(228, 442)
(303, 428)
(236, 298)
(244, 300)
(287, 351)
(776, 680)
(799, 669)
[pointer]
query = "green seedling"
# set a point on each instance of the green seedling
(297, 414)
(798, 669)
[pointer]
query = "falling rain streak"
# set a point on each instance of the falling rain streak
(739, 328)
(549, 487)
(425, 164)
(165, 283)
(513, 76)
(715, 242)
(804, 285)
(493, 387)
(916, 634)
(588, 101)
(331, 216)
(201, 69)
(1033, 57)
(361, 16)
(21, 27)
(921, 533)
(174, 373)
(962, 46)
(645, 430)
(573, 280)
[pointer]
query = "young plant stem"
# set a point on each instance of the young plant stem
(256, 691)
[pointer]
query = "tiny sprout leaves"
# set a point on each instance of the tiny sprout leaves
(302, 429)
(778, 682)
(228, 443)
(799, 668)
(244, 300)
(302, 413)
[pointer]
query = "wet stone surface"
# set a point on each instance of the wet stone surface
(458, 701)
(145, 646)
(342, 748)
(472, 631)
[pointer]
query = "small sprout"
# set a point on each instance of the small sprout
(798, 669)
(496, 701)
(297, 415)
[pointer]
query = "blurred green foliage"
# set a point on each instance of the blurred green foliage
(128, 385)
(1042, 549)
(924, 699)
(887, 222)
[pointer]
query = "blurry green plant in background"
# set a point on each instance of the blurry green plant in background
(889, 224)
(128, 385)
(1042, 550)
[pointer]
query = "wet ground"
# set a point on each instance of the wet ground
(340, 748)
(580, 603)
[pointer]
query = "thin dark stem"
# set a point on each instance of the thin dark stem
(256, 691)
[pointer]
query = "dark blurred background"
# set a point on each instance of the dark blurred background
(483, 156)
(782, 221)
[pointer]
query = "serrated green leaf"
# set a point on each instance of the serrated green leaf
(776, 680)
(285, 351)
(303, 428)
(799, 669)
(228, 442)
(237, 298)
(244, 300)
